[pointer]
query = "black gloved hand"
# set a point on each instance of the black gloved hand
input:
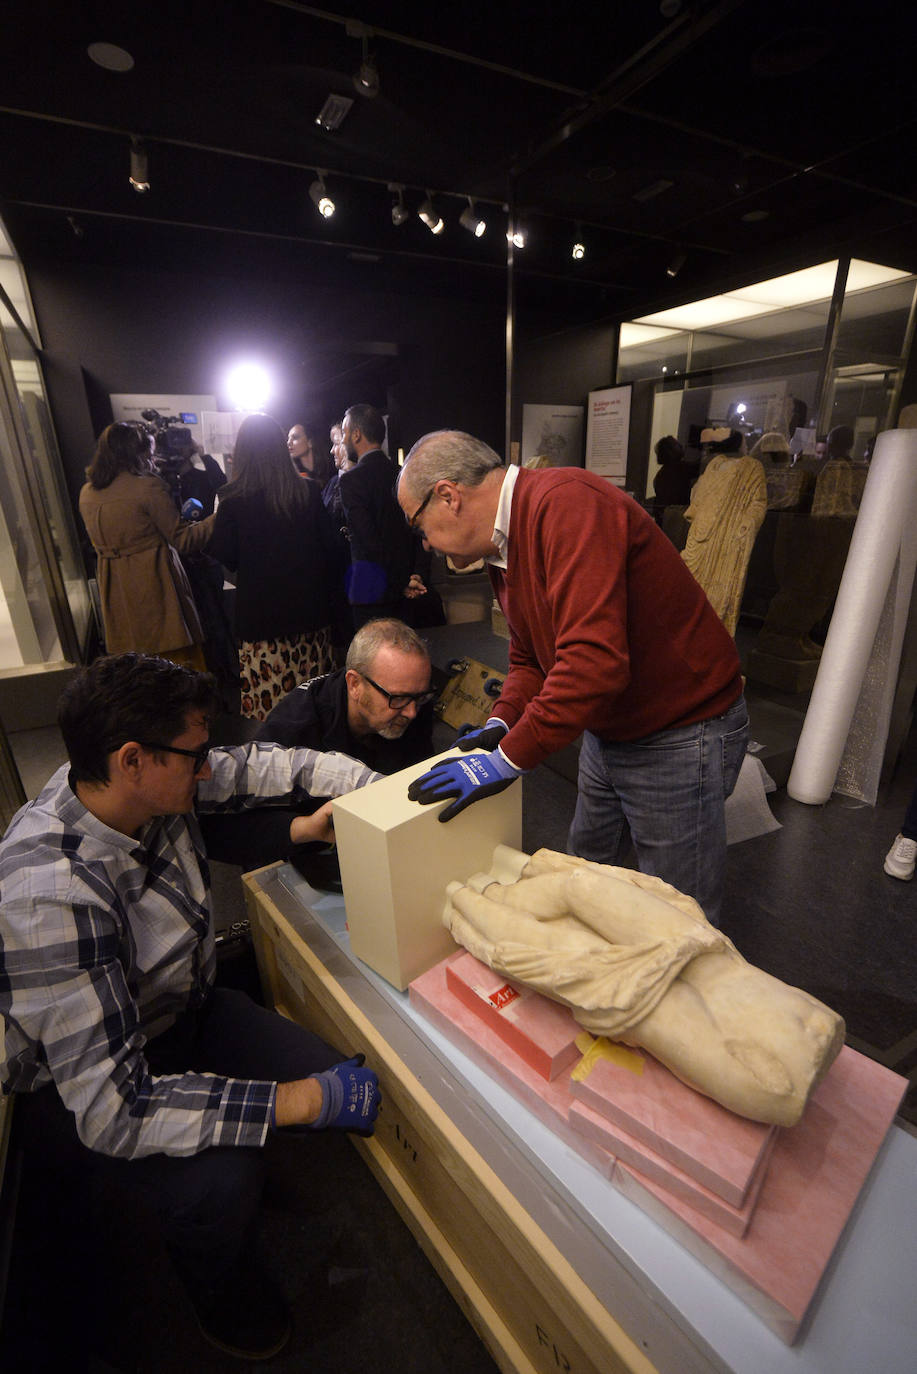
(487, 736)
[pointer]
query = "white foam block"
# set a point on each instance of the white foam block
(397, 859)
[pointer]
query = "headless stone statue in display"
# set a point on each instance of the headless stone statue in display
(637, 961)
(727, 507)
(814, 551)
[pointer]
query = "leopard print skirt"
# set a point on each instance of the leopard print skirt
(270, 668)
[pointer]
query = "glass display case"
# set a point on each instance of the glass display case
(807, 369)
(44, 595)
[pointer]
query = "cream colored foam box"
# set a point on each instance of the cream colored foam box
(396, 860)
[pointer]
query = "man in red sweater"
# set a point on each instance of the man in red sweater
(611, 637)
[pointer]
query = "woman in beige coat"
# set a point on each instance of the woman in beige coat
(138, 535)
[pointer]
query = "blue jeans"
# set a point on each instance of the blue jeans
(666, 792)
(909, 828)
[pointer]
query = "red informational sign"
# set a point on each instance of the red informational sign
(503, 996)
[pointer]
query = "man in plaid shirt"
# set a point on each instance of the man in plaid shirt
(124, 1057)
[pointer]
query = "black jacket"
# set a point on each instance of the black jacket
(314, 716)
(289, 574)
(381, 545)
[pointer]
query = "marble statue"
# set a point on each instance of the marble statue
(637, 961)
(727, 507)
(810, 555)
(788, 487)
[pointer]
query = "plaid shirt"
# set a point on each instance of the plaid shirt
(106, 940)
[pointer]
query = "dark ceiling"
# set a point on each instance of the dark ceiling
(750, 138)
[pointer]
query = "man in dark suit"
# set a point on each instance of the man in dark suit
(382, 550)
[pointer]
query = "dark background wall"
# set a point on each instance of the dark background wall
(432, 362)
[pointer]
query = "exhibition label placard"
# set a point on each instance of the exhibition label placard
(608, 424)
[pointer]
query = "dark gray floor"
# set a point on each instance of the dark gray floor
(808, 902)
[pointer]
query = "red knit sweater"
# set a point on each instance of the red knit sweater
(610, 632)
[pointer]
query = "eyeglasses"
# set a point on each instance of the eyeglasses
(398, 700)
(199, 755)
(412, 521)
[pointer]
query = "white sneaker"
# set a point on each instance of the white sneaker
(901, 859)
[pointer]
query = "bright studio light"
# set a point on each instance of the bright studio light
(248, 387)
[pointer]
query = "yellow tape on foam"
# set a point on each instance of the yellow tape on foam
(593, 1050)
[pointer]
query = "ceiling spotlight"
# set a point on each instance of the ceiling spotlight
(140, 167)
(320, 197)
(676, 264)
(470, 219)
(430, 217)
(400, 212)
(516, 236)
(366, 77)
(578, 251)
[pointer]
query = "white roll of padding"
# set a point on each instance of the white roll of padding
(880, 562)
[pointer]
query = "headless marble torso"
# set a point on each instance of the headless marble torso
(727, 507)
(637, 961)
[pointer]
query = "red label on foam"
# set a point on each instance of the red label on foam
(503, 996)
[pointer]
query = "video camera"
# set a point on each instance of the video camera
(172, 439)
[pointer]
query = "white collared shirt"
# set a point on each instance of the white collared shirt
(500, 536)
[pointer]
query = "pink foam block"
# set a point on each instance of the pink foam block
(549, 1101)
(816, 1172)
(542, 1032)
(712, 1145)
(630, 1150)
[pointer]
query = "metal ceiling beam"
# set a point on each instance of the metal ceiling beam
(641, 67)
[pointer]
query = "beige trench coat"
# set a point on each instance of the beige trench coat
(137, 534)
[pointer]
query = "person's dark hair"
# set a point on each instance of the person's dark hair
(669, 450)
(322, 465)
(840, 441)
(121, 447)
(368, 420)
(261, 466)
(127, 697)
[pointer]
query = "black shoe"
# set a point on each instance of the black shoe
(246, 1317)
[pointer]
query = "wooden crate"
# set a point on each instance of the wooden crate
(531, 1309)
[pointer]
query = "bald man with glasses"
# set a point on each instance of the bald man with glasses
(378, 710)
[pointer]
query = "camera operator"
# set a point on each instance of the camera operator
(194, 478)
(189, 472)
(138, 537)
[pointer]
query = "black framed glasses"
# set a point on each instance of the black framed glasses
(412, 521)
(398, 700)
(199, 755)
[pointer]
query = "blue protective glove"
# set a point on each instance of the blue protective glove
(487, 736)
(467, 780)
(350, 1098)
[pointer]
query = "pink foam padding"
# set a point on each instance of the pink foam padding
(542, 1032)
(816, 1172)
(632, 1151)
(711, 1144)
(549, 1101)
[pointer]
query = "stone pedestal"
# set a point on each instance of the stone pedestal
(786, 674)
